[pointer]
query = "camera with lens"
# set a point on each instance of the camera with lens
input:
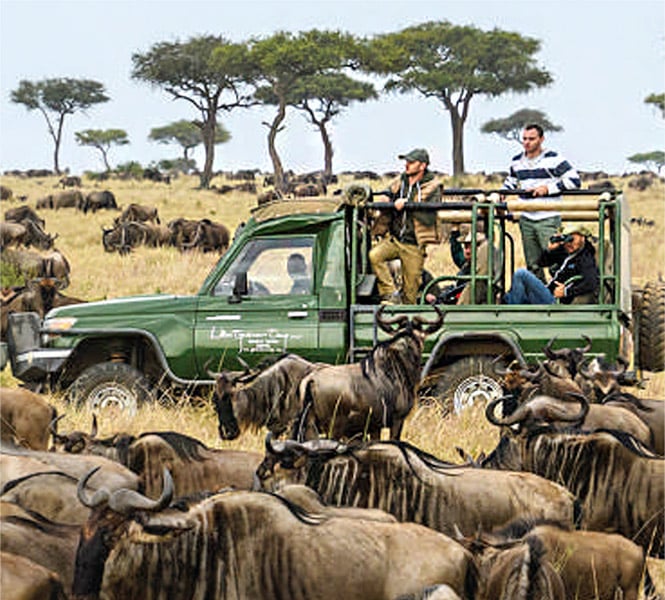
(561, 238)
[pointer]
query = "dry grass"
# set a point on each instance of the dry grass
(98, 275)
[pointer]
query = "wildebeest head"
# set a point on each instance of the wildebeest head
(538, 411)
(263, 396)
(111, 516)
(565, 361)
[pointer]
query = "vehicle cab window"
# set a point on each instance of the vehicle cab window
(274, 266)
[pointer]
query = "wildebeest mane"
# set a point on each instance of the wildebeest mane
(10, 485)
(186, 447)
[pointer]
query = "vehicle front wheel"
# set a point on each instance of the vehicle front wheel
(110, 387)
(469, 381)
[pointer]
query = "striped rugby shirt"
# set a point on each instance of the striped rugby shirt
(548, 168)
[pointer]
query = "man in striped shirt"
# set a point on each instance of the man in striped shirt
(539, 172)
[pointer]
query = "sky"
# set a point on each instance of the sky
(605, 57)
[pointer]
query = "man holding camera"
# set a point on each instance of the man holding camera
(409, 230)
(539, 173)
(575, 281)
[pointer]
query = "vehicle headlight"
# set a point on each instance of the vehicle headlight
(59, 324)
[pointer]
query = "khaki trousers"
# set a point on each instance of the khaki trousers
(412, 259)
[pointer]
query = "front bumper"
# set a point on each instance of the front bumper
(29, 361)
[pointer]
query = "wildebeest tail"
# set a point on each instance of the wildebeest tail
(300, 425)
(650, 591)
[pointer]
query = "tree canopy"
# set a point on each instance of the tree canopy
(653, 161)
(658, 100)
(57, 98)
(187, 134)
(209, 72)
(102, 140)
(283, 60)
(510, 128)
(452, 64)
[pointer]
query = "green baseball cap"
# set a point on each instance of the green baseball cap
(419, 154)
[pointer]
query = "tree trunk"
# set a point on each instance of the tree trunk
(106, 160)
(208, 135)
(327, 152)
(277, 167)
(457, 125)
(58, 139)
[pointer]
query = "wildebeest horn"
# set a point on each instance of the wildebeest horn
(126, 501)
(99, 497)
(431, 326)
(243, 364)
(274, 447)
(553, 354)
(519, 415)
(533, 376)
(387, 324)
(496, 368)
(581, 398)
(583, 368)
(586, 348)
(52, 427)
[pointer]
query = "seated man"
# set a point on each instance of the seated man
(296, 266)
(457, 292)
(575, 280)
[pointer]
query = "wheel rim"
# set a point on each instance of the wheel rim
(112, 398)
(475, 390)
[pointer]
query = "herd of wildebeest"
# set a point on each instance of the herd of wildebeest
(568, 505)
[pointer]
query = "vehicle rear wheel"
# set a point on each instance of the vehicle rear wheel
(469, 381)
(652, 327)
(109, 387)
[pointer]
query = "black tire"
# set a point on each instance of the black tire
(467, 382)
(110, 385)
(652, 327)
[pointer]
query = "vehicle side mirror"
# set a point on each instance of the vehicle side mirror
(239, 288)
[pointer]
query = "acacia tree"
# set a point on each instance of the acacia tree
(57, 98)
(282, 60)
(658, 100)
(322, 97)
(208, 72)
(102, 140)
(510, 128)
(452, 64)
(653, 161)
(187, 134)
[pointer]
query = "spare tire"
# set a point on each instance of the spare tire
(651, 328)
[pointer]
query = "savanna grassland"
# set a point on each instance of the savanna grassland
(99, 275)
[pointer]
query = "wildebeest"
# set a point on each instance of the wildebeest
(23, 579)
(546, 410)
(182, 231)
(243, 545)
(593, 565)
(70, 181)
(95, 201)
(359, 399)
(30, 264)
(208, 237)
(194, 466)
(24, 213)
(25, 234)
(139, 212)
(6, 192)
(68, 199)
(51, 545)
(520, 572)
(124, 236)
(619, 484)
(38, 295)
(413, 485)
(25, 418)
(262, 397)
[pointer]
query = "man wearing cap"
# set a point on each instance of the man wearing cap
(539, 172)
(409, 230)
(575, 281)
